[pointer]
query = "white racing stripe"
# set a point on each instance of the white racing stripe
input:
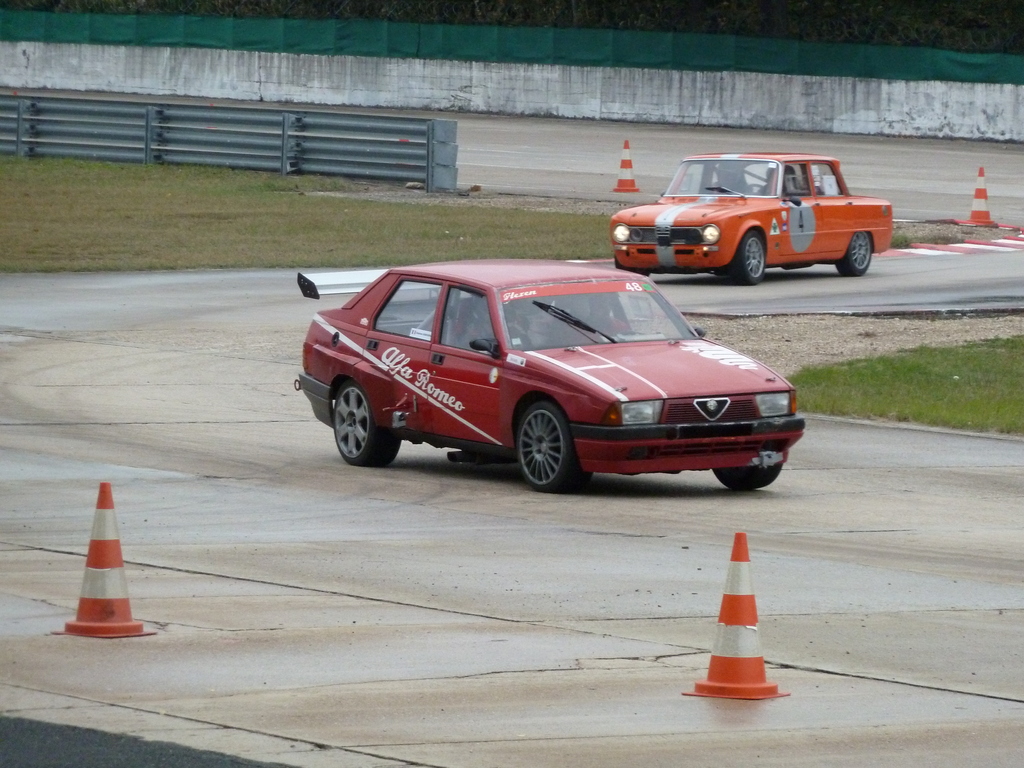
(611, 364)
(581, 372)
(352, 344)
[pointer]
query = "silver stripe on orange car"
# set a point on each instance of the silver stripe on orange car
(665, 220)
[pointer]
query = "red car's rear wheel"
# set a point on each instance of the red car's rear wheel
(360, 441)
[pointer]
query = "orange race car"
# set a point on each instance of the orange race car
(737, 214)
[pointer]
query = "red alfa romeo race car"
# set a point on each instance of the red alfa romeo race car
(738, 214)
(567, 369)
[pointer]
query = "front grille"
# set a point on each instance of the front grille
(674, 235)
(687, 235)
(742, 408)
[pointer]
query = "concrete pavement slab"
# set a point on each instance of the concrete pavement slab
(178, 662)
(974, 651)
(979, 745)
(417, 719)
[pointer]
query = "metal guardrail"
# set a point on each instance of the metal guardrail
(329, 143)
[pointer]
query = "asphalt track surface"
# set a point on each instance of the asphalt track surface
(25, 742)
(436, 614)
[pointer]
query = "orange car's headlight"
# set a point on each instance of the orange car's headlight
(710, 234)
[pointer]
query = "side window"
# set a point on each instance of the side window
(795, 181)
(410, 310)
(825, 182)
(465, 318)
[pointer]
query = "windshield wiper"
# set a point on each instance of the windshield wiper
(570, 319)
(724, 190)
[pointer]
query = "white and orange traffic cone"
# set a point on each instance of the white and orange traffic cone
(626, 182)
(737, 666)
(103, 609)
(979, 208)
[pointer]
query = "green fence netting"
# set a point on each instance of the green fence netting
(529, 45)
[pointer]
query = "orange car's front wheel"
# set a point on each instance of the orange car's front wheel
(748, 265)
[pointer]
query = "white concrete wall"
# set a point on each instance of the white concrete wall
(736, 99)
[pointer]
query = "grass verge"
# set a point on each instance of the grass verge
(63, 215)
(974, 387)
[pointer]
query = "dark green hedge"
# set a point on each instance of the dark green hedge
(973, 26)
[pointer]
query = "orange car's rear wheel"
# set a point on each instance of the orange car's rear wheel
(857, 259)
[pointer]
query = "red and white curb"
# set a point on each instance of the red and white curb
(1010, 244)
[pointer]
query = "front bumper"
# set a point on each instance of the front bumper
(676, 447)
(683, 258)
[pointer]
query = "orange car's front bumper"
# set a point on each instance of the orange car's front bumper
(699, 258)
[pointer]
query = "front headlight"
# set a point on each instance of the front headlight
(774, 403)
(620, 233)
(710, 234)
(641, 412)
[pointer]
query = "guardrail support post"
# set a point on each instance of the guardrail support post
(19, 127)
(442, 154)
(289, 156)
(147, 154)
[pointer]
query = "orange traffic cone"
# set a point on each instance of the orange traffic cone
(737, 666)
(979, 208)
(626, 183)
(103, 610)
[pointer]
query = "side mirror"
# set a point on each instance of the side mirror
(701, 333)
(490, 346)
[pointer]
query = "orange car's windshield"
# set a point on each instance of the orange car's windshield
(725, 177)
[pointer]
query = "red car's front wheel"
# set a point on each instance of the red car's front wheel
(747, 478)
(547, 455)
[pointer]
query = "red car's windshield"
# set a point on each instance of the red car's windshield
(579, 314)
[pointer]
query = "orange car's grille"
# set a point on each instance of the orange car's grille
(674, 235)
(684, 411)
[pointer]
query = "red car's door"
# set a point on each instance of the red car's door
(463, 381)
(400, 342)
